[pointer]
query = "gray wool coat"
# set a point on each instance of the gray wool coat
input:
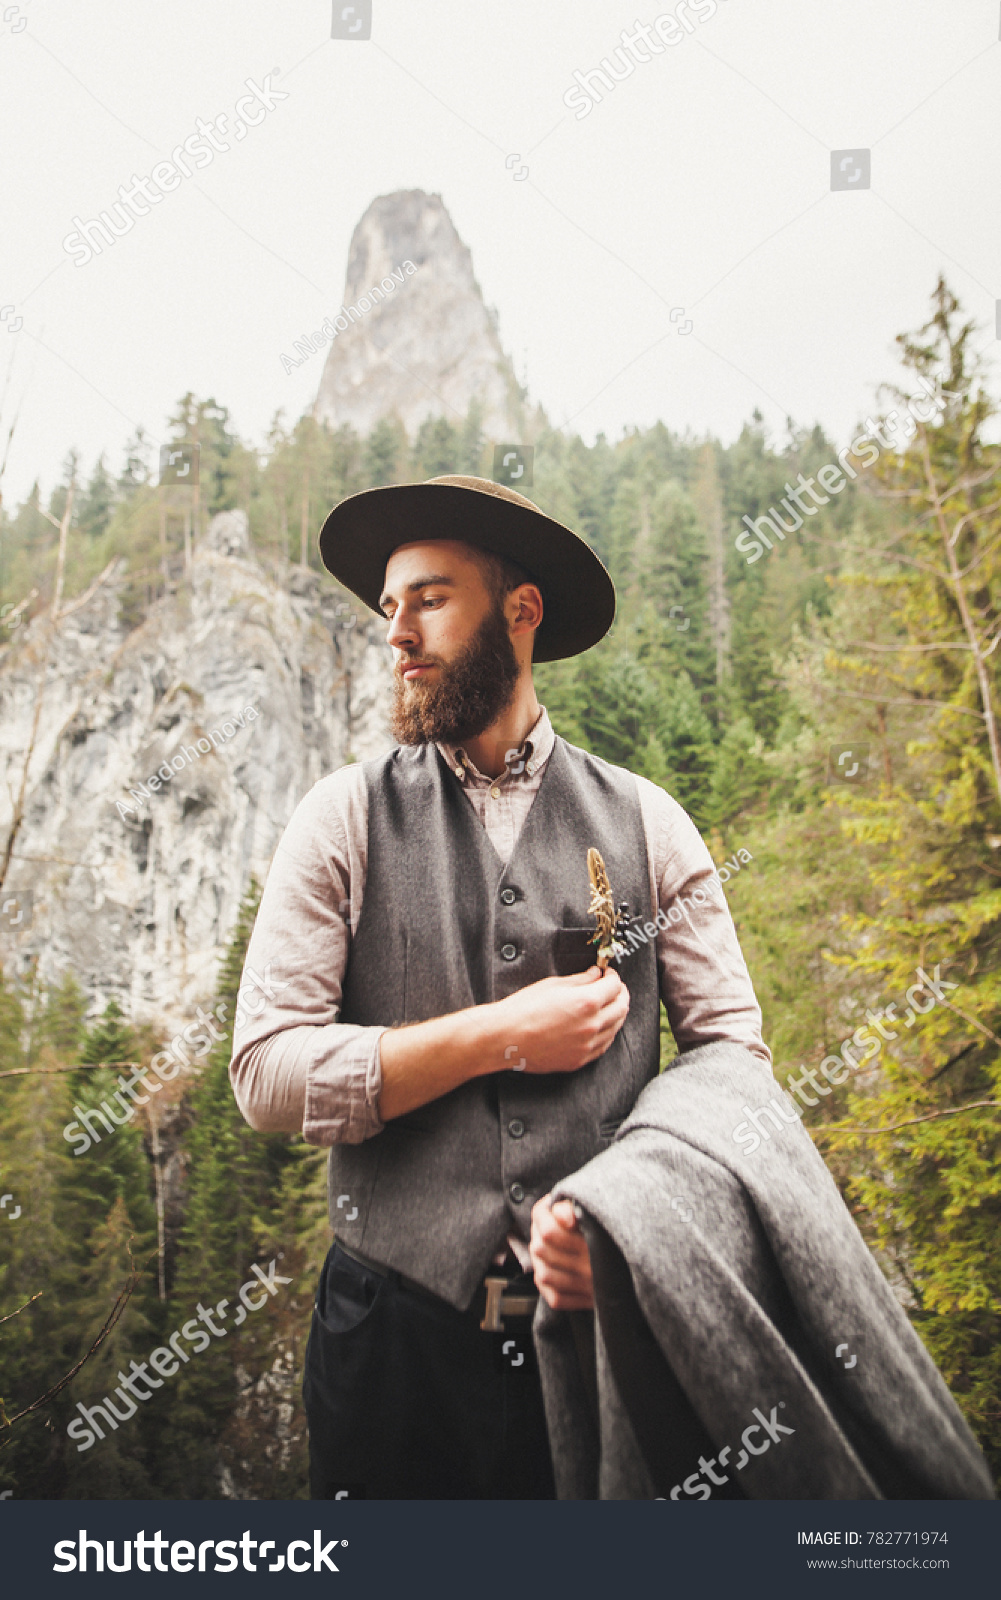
(745, 1343)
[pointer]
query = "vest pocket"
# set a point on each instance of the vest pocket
(573, 951)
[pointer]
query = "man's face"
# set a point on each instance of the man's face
(455, 670)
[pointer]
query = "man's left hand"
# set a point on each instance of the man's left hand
(560, 1257)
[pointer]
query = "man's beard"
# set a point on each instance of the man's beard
(470, 692)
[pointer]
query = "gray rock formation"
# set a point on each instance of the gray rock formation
(137, 887)
(427, 346)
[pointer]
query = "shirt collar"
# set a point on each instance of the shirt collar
(534, 752)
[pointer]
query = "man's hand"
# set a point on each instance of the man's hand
(555, 1025)
(560, 1024)
(560, 1258)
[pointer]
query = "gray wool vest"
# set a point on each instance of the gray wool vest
(446, 925)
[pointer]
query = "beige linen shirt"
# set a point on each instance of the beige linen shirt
(296, 1067)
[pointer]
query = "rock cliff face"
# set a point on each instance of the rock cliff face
(426, 346)
(244, 693)
(237, 692)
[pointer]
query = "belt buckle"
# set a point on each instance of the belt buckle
(514, 1305)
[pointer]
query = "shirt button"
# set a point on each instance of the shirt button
(495, 793)
(509, 951)
(517, 1193)
(458, 772)
(516, 1128)
(508, 897)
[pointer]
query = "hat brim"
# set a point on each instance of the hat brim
(361, 533)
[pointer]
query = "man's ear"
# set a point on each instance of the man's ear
(525, 607)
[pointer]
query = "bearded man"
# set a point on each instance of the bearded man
(434, 1013)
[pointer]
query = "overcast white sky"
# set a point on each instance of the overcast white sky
(701, 182)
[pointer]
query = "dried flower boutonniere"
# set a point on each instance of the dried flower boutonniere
(602, 908)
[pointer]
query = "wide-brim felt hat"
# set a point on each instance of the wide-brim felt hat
(361, 533)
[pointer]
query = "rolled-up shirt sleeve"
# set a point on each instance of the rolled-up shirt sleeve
(704, 982)
(295, 1065)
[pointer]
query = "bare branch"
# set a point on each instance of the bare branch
(942, 705)
(912, 1122)
(972, 1021)
(945, 645)
(131, 1284)
(978, 511)
(11, 1315)
(965, 571)
(89, 593)
(64, 526)
(83, 1066)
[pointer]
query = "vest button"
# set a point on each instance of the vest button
(509, 951)
(516, 1128)
(517, 1193)
(508, 897)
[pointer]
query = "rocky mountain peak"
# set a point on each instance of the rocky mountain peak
(413, 337)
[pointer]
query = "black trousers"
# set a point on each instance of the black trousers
(408, 1399)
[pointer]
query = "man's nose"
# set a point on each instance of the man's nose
(403, 633)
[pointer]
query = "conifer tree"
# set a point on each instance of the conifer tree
(472, 442)
(436, 448)
(917, 1138)
(112, 1468)
(384, 450)
(232, 1180)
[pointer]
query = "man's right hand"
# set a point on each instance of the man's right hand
(560, 1024)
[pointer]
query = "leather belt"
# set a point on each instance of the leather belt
(383, 1271)
(498, 1304)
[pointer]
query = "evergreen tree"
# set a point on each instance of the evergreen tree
(93, 513)
(931, 1190)
(112, 1468)
(472, 442)
(436, 448)
(384, 450)
(135, 473)
(204, 422)
(233, 1174)
(60, 1021)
